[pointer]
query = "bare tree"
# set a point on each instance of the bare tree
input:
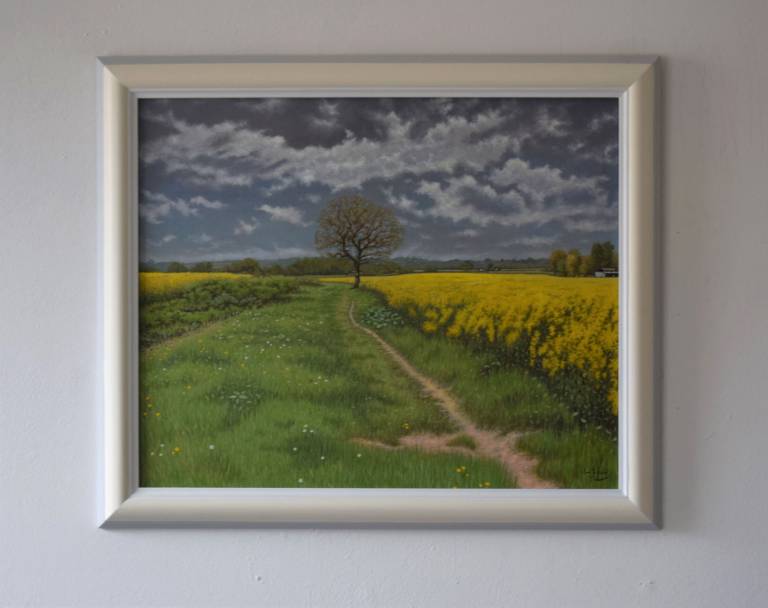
(354, 228)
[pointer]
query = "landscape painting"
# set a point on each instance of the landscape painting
(405, 292)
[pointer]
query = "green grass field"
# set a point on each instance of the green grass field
(503, 399)
(276, 396)
(289, 394)
(175, 311)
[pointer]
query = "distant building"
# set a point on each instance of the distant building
(606, 272)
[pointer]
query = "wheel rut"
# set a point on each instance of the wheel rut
(489, 444)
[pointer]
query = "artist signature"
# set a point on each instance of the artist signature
(597, 474)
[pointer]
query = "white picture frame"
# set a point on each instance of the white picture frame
(632, 81)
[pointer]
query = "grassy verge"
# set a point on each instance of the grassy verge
(503, 398)
(575, 458)
(275, 396)
(462, 441)
(173, 312)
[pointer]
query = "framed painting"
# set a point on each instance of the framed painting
(378, 291)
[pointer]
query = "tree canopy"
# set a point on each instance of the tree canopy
(177, 267)
(354, 228)
(574, 264)
(244, 266)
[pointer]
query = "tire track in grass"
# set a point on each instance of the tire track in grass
(499, 447)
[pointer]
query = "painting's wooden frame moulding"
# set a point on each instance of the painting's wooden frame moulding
(631, 80)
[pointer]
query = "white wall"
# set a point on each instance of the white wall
(712, 550)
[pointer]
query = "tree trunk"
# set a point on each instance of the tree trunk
(357, 277)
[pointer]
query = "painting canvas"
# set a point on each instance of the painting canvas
(360, 292)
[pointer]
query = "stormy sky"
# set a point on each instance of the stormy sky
(468, 178)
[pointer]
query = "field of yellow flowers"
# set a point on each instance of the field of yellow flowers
(566, 329)
(160, 283)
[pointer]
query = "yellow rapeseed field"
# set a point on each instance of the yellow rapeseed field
(156, 283)
(566, 324)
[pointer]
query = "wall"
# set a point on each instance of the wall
(712, 550)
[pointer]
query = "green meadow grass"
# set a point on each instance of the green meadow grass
(503, 398)
(575, 458)
(168, 314)
(463, 441)
(275, 397)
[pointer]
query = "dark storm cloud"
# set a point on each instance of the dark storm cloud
(468, 177)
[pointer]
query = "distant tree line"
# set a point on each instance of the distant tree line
(560, 262)
(328, 265)
(573, 264)
(244, 266)
(300, 267)
(335, 265)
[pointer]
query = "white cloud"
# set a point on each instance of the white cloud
(245, 228)
(550, 125)
(540, 183)
(155, 206)
(448, 203)
(261, 253)
(465, 199)
(329, 116)
(535, 246)
(453, 162)
(228, 252)
(444, 105)
(284, 252)
(598, 122)
(266, 105)
(201, 201)
(604, 223)
(291, 215)
(216, 177)
(469, 232)
(457, 200)
(196, 151)
(201, 239)
(168, 238)
(608, 154)
(405, 204)
(533, 241)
